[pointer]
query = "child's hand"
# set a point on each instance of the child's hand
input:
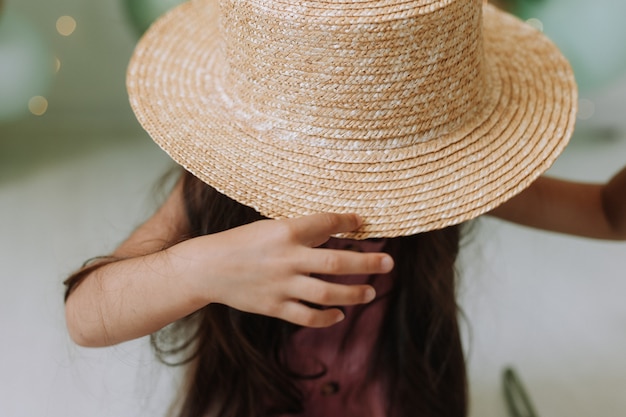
(265, 268)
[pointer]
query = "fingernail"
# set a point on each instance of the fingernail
(370, 294)
(387, 263)
(340, 317)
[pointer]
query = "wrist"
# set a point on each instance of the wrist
(190, 266)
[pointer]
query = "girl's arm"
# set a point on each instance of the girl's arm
(588, 210)
(262, 268)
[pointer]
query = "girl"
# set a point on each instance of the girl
(417, 116)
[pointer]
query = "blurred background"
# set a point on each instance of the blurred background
(77, 174)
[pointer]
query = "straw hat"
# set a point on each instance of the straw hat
(416, 114)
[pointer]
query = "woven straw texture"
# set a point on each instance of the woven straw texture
(416, 114)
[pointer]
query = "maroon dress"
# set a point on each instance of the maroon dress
(340, 354)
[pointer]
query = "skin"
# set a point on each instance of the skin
(588, 210)
(151, 288)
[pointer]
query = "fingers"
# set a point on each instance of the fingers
(343, 262)
(311, 302)
(323, 293)
(315, 229)
(317, 292)
(302, 315)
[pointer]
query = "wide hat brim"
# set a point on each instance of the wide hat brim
(174, 84)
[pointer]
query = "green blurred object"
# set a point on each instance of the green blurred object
(143, 12)
(590, 34)
(26, 65)
(517, 400)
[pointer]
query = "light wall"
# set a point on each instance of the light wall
(88, 91)
(88, 94)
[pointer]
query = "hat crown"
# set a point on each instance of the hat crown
(322, 68)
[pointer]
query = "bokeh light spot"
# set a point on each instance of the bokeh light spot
(38, 105)
(536, 23)
(66, 25)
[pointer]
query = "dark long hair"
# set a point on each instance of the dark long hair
(234, 358)
(234, 366)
